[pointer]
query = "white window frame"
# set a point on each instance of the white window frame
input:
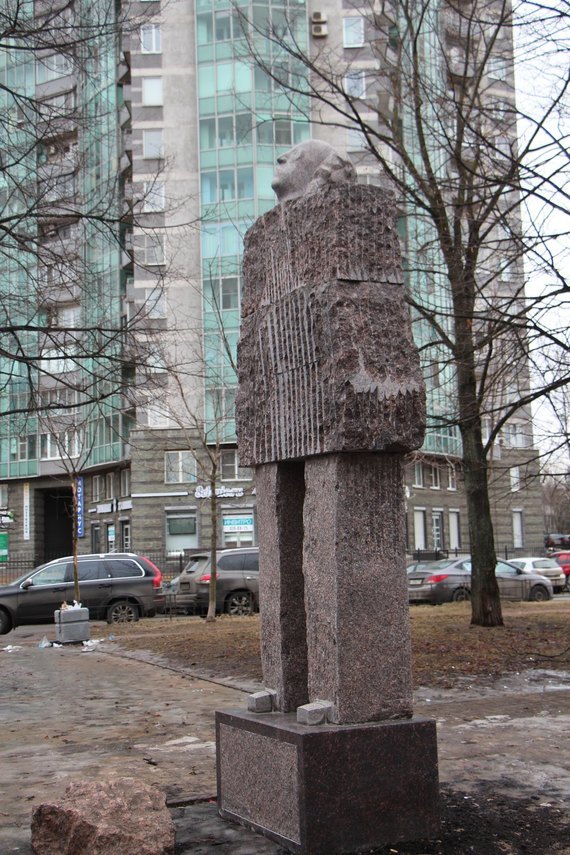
(152, 250)
(150, 150)
(179, 466)
(437, 529)
(353, 31)
(154, 197)
(150, 38)
(236, 472)
(355, 83)
(518, 528)
(97, 485)
(454, 529)
(125, 482)
(420, 529)
(515, 478)
(451, 476)
(435, 477)
(152, 92)
(418, 474)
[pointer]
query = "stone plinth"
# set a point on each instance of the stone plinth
(331, 789)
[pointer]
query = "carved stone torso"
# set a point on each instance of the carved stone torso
(326, 359)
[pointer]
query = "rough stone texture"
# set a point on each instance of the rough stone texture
(315, 713)
(261, 702)
(358, 637)
(118, 817)
(326, 358)
(280, 491)
(71, 625)
(343, 789)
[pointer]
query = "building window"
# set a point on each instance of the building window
(454, 530)
(125, 536)
(515, 478)
(420, 539)
(437, 530)
(355, 83)
(110, 485)
(237, 529)
(353, 32)
(518, 530)
(451, 477)
(231, 470)
(150, 38)
(152, 250)
(435, 477)
(418, 475)
(513, 435)
(95, 539)
(153, 147)
(125, 484)
(355, 140)
(152, 92)
(53, 66)
(181, 531)
(97, 487)
(179, 467)
(154, 198)
(3, 496)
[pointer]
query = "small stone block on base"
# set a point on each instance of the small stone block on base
(315, 713)
(332, 789)
(261, 702)
(71, 625)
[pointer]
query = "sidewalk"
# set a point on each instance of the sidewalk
(69, 714)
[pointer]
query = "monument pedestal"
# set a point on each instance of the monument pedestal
(329, 789)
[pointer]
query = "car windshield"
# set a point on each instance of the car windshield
(441, 564)
(545, 563)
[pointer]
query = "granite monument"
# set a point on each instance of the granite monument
(329, 757)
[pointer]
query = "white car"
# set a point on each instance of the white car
(545, 566)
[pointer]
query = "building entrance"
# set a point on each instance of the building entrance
(58, 522)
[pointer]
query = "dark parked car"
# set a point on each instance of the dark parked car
(449, 580)
(117, 587)
(237, 582)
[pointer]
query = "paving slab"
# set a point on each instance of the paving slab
(75, 713)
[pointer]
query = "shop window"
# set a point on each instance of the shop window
(237, 529)
(181, 531)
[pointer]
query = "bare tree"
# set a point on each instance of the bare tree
(425, 92)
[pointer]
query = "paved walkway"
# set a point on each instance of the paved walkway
(71, 713)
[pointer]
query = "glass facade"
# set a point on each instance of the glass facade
(246, 121)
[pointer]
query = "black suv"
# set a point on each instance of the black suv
(237, 582)
(118, 586)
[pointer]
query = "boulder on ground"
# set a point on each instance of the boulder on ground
(115, 817)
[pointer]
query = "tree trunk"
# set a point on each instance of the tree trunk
(75, 538)
(211, 616)
(485, 597)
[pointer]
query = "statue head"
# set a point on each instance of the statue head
(307, 167)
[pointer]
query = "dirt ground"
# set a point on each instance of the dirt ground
(507, 815)
(446, 649)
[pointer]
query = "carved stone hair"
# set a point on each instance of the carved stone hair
(332, 170)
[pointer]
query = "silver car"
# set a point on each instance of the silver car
(545, 566)
(449, 580)
(237, 582)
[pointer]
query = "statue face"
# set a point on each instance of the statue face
(296, 168)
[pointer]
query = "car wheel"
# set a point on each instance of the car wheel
(539, 594)
(5, 622)
(461, 595)
(239, 603)
(122, 612)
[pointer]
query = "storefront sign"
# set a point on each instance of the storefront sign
(80, 499)
(235, 524)
(221, 492)
(26, 512)
(3, 546)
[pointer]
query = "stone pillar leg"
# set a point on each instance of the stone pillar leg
(280, 490)
(358, 634)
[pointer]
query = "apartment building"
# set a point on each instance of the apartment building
(170, 132)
